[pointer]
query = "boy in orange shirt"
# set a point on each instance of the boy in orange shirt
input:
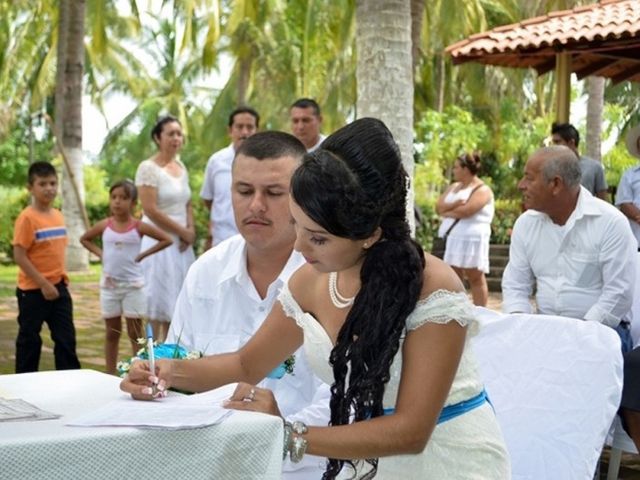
(39, 242)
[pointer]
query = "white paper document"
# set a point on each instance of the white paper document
(173, 412)
(16, 409)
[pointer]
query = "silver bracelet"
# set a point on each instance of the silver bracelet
(288, 430)
(295, 444)
(299, 427)
(298, 449)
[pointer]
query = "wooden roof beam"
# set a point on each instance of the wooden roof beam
(626, 74)
(594, 67)
(546, 66)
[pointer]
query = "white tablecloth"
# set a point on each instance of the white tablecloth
(245, 446)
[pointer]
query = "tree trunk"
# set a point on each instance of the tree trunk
(441, 81)
(61, 51)
(417, 14)
(69, 117)
(384, 73)
(595, 106)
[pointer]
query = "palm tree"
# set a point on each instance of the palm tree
(385, 72)
(68, 116)
(26, 59)
(286, 50)
(164, 83)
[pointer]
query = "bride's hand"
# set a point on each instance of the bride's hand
(251, 398)
(142, 384)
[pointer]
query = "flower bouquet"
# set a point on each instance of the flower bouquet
(175, 351)
(284, 368)
(162, 350)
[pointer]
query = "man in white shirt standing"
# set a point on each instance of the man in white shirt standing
(231, 288)
(576, 250)
(216, 185)
(306, 121)
(628, 194)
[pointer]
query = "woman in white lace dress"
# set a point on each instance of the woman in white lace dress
(165, 196)
(387, 327)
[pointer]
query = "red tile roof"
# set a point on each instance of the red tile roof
(604, 39)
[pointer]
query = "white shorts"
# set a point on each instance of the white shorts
(127, 300)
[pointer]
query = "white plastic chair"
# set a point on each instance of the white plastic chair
(619, 442)
(555, 384)
(618, 439)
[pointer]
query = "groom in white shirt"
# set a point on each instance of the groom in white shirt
(231, 288)
(576, 250)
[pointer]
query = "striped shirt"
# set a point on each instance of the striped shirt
(43, 235)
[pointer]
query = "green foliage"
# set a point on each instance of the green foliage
(280, 50)
(504, 151)
(616, 161)
(13, 200)
(120, 159)
(97, 193)
(14, 154)
(507, 211)
(448, 134)
(504, 148)
(427, 229)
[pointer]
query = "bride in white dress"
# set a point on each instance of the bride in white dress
(387, 327)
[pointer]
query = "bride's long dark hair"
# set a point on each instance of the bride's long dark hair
(352, 185)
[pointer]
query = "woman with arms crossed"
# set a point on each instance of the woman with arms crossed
(382, 324)
(468, 203)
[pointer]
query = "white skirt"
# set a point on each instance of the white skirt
(468, 250)
(164, 273)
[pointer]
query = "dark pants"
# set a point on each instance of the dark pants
(33, 310)
(624, 332)
(630, 384)
(631, 381)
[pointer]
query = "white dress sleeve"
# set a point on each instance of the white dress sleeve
(443, 306)
(147, 174)
(290, 306)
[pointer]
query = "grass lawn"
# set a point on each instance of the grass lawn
(86, 315)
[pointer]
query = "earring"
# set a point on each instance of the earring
(365, 245)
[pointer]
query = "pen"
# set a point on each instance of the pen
(152, 359)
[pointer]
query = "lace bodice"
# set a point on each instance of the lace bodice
(173, 193)
(440, 307)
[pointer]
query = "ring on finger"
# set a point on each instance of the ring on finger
(252, 395)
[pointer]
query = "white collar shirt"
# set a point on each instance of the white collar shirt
(584, 269)
(318, 143)
(629, 192)
(216, 187)
(218, 310)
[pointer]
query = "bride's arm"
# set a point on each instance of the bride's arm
(275, 340)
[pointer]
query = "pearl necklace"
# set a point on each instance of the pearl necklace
(338, 300)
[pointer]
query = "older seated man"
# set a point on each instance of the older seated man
(577, 251)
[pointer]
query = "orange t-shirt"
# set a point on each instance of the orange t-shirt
(44, 237)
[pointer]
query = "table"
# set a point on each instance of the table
(246, 445)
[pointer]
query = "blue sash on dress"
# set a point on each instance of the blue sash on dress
(452, 411)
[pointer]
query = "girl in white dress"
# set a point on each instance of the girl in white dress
(165, 196)
(384, 325)
(469, 202)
